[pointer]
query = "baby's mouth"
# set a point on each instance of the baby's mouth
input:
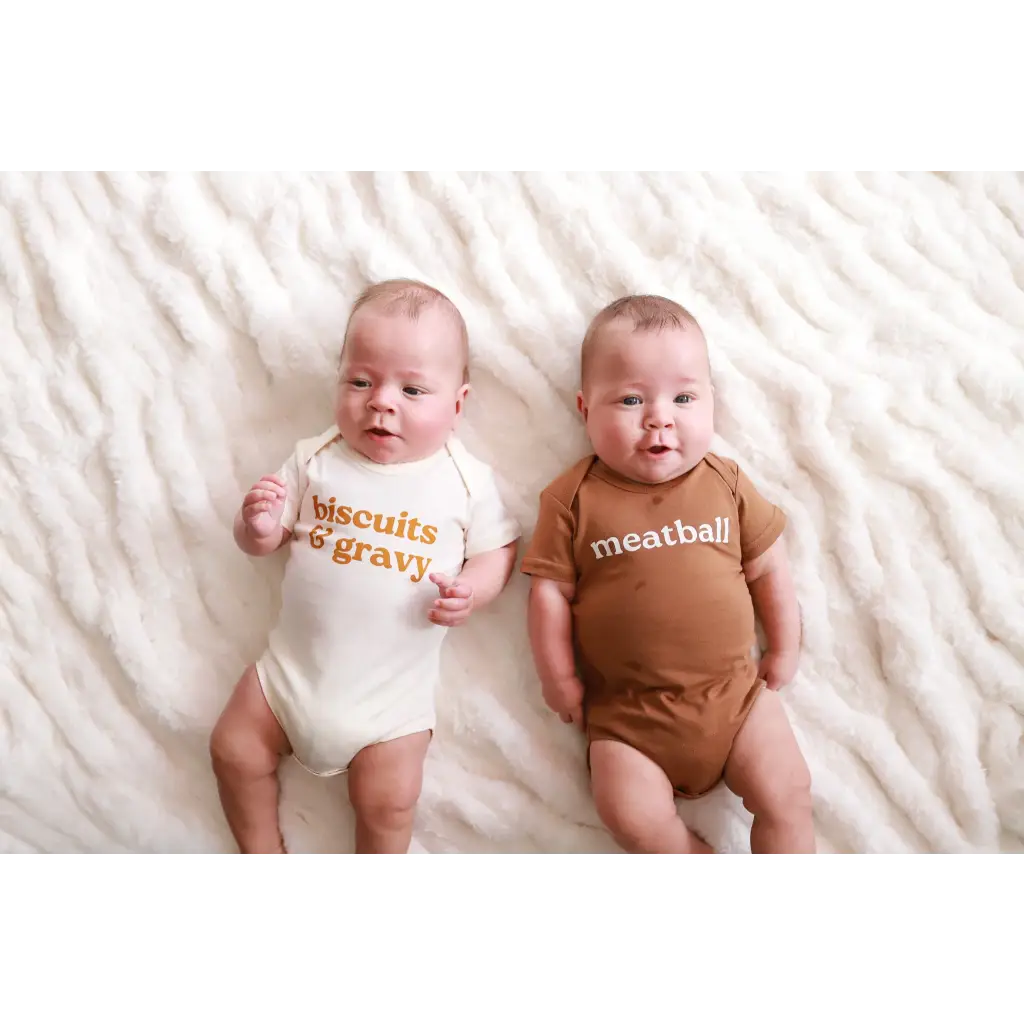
(658, 449)
(380, 432)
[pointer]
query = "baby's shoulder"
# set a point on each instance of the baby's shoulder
(477, 476)
(464, 458)
(564, 487)
(308, 447)
(724, 469)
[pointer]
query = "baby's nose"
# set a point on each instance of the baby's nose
(658, 419)
(381, 399)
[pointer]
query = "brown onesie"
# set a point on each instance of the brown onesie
(663, 620)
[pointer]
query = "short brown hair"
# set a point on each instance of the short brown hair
(647, 312)
(406, 297)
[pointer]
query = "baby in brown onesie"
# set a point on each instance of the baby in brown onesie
(649, 560)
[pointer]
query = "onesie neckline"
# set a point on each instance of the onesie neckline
(608, 475)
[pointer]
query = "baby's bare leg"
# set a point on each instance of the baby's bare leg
(246, 747)
(768, 772)
(635, 801)
(384, 783)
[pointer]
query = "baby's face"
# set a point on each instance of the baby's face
(400, 389)
(648, 401)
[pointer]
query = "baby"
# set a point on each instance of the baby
(648, 563)
(394, 533)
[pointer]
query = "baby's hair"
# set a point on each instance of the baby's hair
(647, 313)
(402, 296)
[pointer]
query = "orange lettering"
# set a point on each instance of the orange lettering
(318, 534)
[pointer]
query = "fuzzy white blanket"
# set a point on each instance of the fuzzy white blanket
(164, 340)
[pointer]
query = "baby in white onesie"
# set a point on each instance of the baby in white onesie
(394, 532)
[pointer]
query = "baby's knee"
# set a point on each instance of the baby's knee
(385, 807)
(385, 815)
(238, 752)
(631, 821)
(785, 797)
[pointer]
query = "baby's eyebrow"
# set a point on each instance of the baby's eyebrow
(675, 381)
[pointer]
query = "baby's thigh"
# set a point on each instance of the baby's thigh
(765, 767)
(388, 776)
(629, 789)
(247, 735)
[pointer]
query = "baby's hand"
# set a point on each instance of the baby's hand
(778, 668)
(263, 505)
(454, 605)
(565, 698)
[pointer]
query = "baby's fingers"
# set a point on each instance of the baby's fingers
(262, 495)
(451, 604)
(269, 487)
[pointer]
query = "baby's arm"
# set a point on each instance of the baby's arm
(549, 618)
(482, 579)
(258, 530)
(488, 573)
(774, 596)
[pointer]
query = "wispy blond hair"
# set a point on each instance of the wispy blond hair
(645, 312)
(404, 296)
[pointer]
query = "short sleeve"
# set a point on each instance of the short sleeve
(761, 522)
(550, 553)
(491, 526)
(295, 474)
(294, 477)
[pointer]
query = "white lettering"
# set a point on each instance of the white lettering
(604, 547)
(686, 533)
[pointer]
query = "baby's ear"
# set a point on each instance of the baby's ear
(460, 398)
(581, 405)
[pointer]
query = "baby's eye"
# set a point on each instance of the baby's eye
(359, 383)
(413, 391)
(684, 399)
(631, 400)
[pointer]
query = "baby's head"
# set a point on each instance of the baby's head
(647, 398)
(404, 372)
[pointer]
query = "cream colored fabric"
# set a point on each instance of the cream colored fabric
(353, 658)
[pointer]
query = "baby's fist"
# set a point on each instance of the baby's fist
(455, 603)
(565, 698)
(778, 668)
(263, 505)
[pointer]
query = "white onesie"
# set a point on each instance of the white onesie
(353, 659)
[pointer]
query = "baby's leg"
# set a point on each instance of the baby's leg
(384, 783)
(635, 801)
(768, 772)
(246, 747)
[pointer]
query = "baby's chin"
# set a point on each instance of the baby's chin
(644, 469)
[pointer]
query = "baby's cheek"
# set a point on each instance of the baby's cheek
(436, 423)
(620, 434)
(702, 426)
